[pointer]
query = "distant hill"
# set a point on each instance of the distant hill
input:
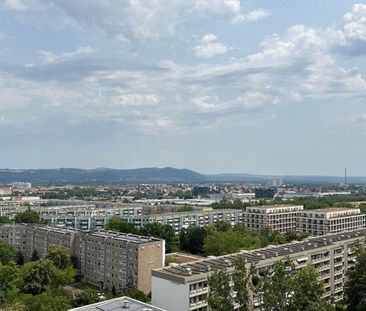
(100, 176)
(151, 175)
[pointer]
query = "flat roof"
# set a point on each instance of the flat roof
(118, 304)
(213, 263)
(334, 209)
(139, 239)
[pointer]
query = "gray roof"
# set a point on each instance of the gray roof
(254, 256)
(118, 304)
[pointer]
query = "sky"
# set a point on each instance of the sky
(252, 86)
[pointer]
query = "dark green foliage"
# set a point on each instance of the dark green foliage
(37, 276)
(219, 296)
(54, 299)
(60, 257)
(8, 253)
(118, 224)
(28, 216)
(4, 220)
(20, 258)
(192, 239)
(86, 297)
(227, 204)
(9, 281)
(356, 285)
(240, 280)
(281, 288)
(161, 231)
(35, 255)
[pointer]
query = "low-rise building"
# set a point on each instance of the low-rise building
(184, 287)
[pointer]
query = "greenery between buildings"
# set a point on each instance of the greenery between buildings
(41, 285)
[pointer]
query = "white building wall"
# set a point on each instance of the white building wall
(169, 295)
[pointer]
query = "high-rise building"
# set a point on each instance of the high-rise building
(106, 259)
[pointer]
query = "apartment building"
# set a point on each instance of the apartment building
(109, 259)
(85, 218)
(184, 287)
(331, 220)
(183, 220)
(106, 259)
(120, 303)
(281, 218)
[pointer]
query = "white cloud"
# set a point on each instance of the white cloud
(355, 23)
(256, 15)
(50, 57)
(297, 66)
(16, 5)
(135, 19)
(209, 47)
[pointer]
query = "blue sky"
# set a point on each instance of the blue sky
(261, 86)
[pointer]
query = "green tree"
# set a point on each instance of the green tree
(308, 290)
(8, 253)
(28, 216)
(35, 255)
(356, 285)
(192, 239)
(276, 288)
(240, 280)
(55, 299)
(86, 297)
(4, 220)
(231, 241)
(118, 224)
(9, 282)
(219, 296)
(37, 276)
(162, 231)
(60, 257)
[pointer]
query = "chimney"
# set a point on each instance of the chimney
(126, 304)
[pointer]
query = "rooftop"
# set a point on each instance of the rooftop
(118, 304)
(139, 239)
(335, 209)
(214, 263)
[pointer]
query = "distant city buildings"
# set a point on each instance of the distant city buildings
(265, 193)
(184, 287)
(106, 259)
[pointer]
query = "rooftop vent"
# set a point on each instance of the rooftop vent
(208, 268)
(126, 304)
(189, 271)
(227, 262)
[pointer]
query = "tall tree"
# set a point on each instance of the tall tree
(118, 224)
(219, 296)
(308, 290)
(37, 276)
(192, 239)
(60, 257)
(9, 282)
(28, 216)
(356, 285)
(276, 288)
(8, 253)
(162, 231)
(240, 280)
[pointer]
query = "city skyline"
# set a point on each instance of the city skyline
(261, 87)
